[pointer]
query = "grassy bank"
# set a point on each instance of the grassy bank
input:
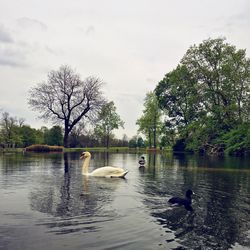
(45, 148)
(103, 149)
(11, 150)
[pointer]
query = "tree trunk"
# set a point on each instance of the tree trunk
(107, 141)
(65, 138)
(154, 137)
(149, 139)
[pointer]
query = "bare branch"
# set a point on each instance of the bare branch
(66, 98)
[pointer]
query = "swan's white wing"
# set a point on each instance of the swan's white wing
(109, 172)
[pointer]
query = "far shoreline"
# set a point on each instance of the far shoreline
(95, 149)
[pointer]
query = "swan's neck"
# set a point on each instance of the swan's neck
(85, 166)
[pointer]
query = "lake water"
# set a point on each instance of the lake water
(45, 203)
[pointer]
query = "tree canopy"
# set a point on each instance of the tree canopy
(208, 94)
(108, 120)
(150, 122)
(66, 99)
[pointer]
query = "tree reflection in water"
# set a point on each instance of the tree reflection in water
(221, 204)
(74, 207)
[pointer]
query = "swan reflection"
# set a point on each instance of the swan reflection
(75, 201)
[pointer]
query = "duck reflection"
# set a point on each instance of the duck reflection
(74, 201)
(178, 223)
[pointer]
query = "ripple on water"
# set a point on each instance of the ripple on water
(45, 207)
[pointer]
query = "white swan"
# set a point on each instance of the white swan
(101, 172)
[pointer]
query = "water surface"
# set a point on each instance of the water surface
(45, 203)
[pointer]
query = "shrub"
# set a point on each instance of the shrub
(237, 141)
(44, 148)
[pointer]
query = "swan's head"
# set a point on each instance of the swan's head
(85, 155)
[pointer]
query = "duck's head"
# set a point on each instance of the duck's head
(189, 193)
(85, 155)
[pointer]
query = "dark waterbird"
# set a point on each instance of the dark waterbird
(186, 202)
(142, 161)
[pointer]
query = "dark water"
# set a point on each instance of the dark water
(45, 203)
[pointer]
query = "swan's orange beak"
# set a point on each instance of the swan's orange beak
(85, 155)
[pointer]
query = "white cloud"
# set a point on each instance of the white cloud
(12, 55)
(5, 36)
(90, 30)
(32, 24)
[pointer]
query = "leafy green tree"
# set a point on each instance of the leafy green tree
(208, 94)
(236, 141)
(66, 99)
(8, 130)
(55, 136)
(150, 122)
(140, 142)
(178, 96)
(45, 135)
(108, 121)
(133, 142)
(222, 75)
(167, 137)
(39, 136)
(28, 136)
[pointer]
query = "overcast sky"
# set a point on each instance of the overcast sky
(129, 44)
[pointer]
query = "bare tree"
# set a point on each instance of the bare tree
(66, 99)
(21, 121)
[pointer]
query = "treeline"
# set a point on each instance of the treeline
(207, 99)
(204, 102)
(203, 105)
(14, 133)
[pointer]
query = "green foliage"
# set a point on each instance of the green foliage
(222, 76)
(132, 142)
(108, 121)
(55, 136)
(164, 141)
(28, 136)
(237, 141)
(140, 142)
(208, 95)
(9, 130)
(150, 122)
(180, 145)
(178, 96)
(14, 133)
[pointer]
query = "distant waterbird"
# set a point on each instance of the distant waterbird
(142, 161)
